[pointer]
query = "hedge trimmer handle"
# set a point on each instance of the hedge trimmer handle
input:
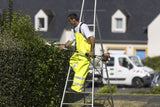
(56, 46)
(87, 54)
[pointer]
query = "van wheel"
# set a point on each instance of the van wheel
(137, 82)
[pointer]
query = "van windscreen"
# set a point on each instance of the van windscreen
(136, 61)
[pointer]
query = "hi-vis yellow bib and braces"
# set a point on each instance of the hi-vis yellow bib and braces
(80, 62)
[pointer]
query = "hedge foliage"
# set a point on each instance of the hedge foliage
(11, 67)
(106, 89)
(31, 74)
(153, 62)
(155, 90)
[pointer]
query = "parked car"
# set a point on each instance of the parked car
(125, 69)
(156, 80)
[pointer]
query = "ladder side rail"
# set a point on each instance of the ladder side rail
(80, 19)
(109, 86)
(82, 8)
(99, 33)
(105, 64)
(65, 86)
(94, 20)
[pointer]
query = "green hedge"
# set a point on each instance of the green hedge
(11, 67)
(153, 63)
(45, 74)
(32, 74)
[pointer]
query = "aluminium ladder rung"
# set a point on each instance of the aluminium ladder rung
(85, 80)
(76, 104)
(79, 92)
(90, 24)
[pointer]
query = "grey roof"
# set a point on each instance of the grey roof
(140, 12)
(1, 11)
(48, 12)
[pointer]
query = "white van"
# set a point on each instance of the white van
(126, 70)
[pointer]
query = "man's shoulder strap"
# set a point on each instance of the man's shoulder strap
(79, 28)
(81, 32)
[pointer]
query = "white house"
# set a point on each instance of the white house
(154, 37)
(126, 26)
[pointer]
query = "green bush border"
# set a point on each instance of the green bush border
(32, 74)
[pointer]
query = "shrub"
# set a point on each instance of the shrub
(45, 73)
(140, 92)
(105, 89)
(153, 63)
(32, 74)
(11, 68)
(155, 90)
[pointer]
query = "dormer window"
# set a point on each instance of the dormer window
(42, 19)
(119, 21)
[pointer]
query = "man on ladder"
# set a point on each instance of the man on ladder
(85, 42)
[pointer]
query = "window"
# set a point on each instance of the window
(118, 23)
(42, 19)
(123, 62)
(136, 61)
(41, 22)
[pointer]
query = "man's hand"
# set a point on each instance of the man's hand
(61, 47)
(91, 54)
(66, 45)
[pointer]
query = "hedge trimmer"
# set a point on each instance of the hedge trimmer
(105, 57)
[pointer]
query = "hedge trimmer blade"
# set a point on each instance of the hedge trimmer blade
(48, 44)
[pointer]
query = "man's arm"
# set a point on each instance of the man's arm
(68, 43)
(92, 39)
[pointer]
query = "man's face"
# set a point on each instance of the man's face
(71, 21)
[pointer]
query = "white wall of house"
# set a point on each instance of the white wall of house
(154, 37)
(126, 48)
(152, 49)
(65, 36)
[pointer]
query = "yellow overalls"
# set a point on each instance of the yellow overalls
(80, 62)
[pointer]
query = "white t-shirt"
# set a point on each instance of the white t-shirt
(84, 30)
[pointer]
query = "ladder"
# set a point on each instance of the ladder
(84, 93)
(68, 75)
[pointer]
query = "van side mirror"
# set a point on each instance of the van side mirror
(130, 66)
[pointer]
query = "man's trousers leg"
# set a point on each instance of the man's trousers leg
(80, 65)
